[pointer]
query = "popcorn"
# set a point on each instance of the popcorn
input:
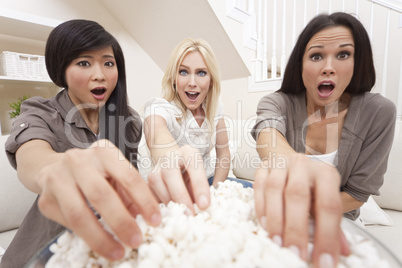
(227, 234)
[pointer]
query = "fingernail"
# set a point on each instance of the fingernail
(326, 261)
(117, 254)
(188, 212)
(136, 240)
(203, 201)
(263, 222)
(295, 250)
(156, 219)
(277, 240)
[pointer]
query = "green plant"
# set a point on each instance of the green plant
(17, 106)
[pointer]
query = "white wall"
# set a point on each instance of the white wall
(143, 75)
(238, 102)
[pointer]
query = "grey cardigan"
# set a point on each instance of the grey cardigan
(365, 143)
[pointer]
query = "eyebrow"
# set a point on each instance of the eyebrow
(197, 69)
(103, 56)
(318, 46)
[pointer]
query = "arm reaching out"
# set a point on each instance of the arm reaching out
(100, 176)
(223, 158)
(179, 174)
(286, 195)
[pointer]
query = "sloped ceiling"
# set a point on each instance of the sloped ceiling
(159, 25)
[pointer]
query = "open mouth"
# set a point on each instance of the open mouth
(325, 89)
(192, 95)
(98, 91)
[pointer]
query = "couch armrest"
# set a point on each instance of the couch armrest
(390, 192)
(15, 199)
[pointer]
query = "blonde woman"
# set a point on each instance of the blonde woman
(184, 126)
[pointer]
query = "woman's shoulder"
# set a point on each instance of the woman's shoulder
(160, 102)
(37, 104)
(160, 106)
(370, 112)
(281, 97)
(376, 103)
(155, 100)
(285, 103)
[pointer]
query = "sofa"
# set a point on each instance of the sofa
(15, 200)
(381, 217)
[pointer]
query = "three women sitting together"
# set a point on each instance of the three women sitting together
(334, 135)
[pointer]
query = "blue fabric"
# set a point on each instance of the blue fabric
(245, 184)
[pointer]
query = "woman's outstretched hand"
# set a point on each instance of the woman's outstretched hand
(101, 178)
(180, 177)
(286, 199)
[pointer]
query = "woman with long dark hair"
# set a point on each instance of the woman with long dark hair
(329, 130)
(78, 150)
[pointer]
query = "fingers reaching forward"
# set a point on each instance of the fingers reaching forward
(286, 199)
(180, 177)
(102, 178)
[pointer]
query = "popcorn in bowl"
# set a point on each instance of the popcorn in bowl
(227, 234)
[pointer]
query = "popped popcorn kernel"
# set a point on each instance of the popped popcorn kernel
(226, 234)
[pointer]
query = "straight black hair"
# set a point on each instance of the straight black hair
(118, 123)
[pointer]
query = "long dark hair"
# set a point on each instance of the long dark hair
(117, 122)
(363, 78)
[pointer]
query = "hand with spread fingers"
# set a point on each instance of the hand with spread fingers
(180, 177)
(289, 201)
(84, 183)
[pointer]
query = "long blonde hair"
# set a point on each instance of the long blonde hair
(169, 79)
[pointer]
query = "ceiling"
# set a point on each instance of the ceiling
(159, 25)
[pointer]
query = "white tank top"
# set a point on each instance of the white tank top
(326, 158)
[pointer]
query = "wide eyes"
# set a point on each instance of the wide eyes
(109, 64)
(85, 63)
(316, 57)
(200, 73)
(343, 55)
(183, 72)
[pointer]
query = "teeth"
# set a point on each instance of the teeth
(326, 84)
(192, 93)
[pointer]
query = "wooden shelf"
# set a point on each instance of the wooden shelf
(7, 83)
(7, 79)
(25, 25)
(15, 23)
(28, 29)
